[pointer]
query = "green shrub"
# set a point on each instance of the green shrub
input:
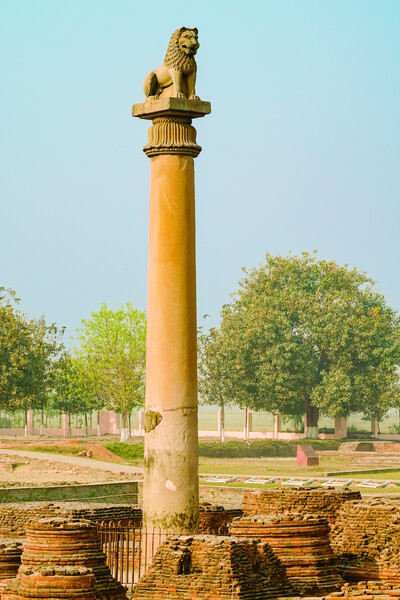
(51, 449)
(128, 451)
(260, 448)
(231, 449)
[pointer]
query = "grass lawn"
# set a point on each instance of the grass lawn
(270, 466)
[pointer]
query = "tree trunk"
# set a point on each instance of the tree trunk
(124, 427)
(41, 421)
(69, 425)
(312, 414)
(86, 425)
(98, 423)
(245, 424)
(129, 426)
(26, 422)
(222, 420)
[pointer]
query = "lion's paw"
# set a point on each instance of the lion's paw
(180, 95)
(194, 97)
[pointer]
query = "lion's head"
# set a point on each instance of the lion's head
(182, 47)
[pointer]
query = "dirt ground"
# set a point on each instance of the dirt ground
(23, 472)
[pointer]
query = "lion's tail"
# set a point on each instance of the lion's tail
(150, 84)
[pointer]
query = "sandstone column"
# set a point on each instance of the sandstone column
(170, 494)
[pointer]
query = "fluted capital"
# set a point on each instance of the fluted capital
(172, 131)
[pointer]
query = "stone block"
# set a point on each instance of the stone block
(306, 456)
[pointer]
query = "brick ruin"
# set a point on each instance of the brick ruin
(322, 502)
(320, 537)
(301, 542)
(366, 540)
(62, 558)
(215, 519)
(291, 554)
(15, 517)
(10, 558)
(213, 568)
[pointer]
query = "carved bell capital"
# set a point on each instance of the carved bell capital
(172, 131)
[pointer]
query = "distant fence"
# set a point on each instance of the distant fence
(238, 423)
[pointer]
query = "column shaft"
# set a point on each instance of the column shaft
(170, 495)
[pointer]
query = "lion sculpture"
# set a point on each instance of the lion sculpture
(177, 76)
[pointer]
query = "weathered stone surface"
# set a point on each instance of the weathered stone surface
(62, 558)
(213, 568)
(301, 542)
(171, 483)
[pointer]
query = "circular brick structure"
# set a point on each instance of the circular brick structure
(301, 542)
(62, 558)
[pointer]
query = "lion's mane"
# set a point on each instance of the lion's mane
(175, 58)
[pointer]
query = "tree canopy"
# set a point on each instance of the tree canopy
(306, 335)
(29, 353)
(113, 356)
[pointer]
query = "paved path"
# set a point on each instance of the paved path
(75, 460)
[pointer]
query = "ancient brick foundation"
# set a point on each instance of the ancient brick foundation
(213, 568)
(301, 542)
(214, 519)
(10, 558)
(15, 517)
(367, 590)
(322, 502)
(62, 559)
(366, 540)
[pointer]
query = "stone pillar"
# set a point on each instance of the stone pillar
(141, 422)
(249, 423)
(170, 490)
(340, 427)
(277, 425)
(219, 423)
(29, 422)
(65, 424)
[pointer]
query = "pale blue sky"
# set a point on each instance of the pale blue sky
(301, 150)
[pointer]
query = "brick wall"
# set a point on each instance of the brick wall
(15, 517)
(323, 502)
(366, 539)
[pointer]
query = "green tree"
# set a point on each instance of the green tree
(113, 352)
(73, 393)
(29, 351)
(304, 335)
(213, 373)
